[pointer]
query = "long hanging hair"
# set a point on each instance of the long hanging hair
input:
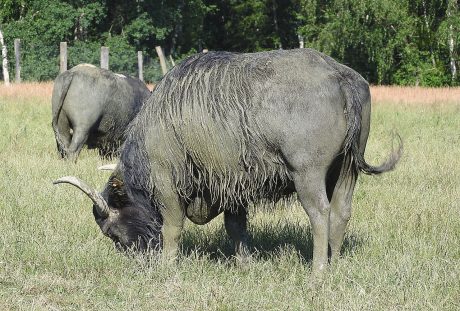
(229, 156)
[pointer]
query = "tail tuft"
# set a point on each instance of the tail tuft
(388, 165)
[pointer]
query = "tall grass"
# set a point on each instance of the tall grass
(401, 250)
(415, 95)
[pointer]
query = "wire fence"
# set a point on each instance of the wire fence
(137, 64)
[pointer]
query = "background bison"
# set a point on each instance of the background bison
(93, 106)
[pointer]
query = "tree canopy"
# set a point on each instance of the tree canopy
(406, 42)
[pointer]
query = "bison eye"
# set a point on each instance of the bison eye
(113, 237)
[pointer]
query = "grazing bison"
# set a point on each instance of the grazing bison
(222, 130)
(93, 106)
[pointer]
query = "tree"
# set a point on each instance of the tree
(452, 24)
(6, 76)
(410, 42)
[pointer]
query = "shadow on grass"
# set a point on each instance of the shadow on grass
(266, 241)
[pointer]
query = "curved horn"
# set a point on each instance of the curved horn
(107, 167)
(101, 205)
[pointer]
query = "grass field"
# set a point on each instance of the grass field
(402, 248)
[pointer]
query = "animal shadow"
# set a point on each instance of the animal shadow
(266, 241)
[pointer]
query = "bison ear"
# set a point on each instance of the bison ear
(117, 186)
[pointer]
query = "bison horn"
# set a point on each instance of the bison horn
(107, 167)
(101, 205)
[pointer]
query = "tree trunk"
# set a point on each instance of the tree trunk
(17, 57)
(6, 75)
(164, 68)
(451, 10)
(428, 30)
(79, 31)
(275, 23)
(178, 29)
(301, 41)
(453, 66)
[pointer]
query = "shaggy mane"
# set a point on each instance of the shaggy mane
(198, 116)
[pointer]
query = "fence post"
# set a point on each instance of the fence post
(140, 65)
(159, 50)
(301, 41)
(172, 60)
(63, 57)
(17, 56)
(104, 57)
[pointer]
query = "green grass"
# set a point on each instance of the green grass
(402, 248)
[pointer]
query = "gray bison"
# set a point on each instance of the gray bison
(222, 130)
(93, 106)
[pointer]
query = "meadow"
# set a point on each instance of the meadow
(401, 252)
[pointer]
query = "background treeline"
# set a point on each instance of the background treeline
(406, 42)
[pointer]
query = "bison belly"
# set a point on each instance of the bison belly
(201, 212)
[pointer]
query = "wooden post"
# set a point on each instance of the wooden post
(17, 54)
(301, 42)
(159, 50)
(104, 57)
(63, 57)
(172, 60)
(140, 65)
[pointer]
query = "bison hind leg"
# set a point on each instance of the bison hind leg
(79, 138)
(63, 135)
(340, 185)
(236, 226)
(311, 190)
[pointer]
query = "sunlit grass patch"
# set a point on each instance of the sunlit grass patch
(401, 250)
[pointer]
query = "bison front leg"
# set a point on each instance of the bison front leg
(311, 191)
(173, 223)
(236, 227)
(172, 212)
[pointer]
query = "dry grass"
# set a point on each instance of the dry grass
(401, 250)
(415, 95)
(29, 90)
(380, 94)
(24, 91)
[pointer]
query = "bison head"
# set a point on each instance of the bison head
(124, 215)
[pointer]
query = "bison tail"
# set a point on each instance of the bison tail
(61, 87)
(388, 165)
(356, 92)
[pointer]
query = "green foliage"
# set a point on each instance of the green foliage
(418, 70)
(389, 42)
(123, 56)
(41, 29)
(141, 28)
(88, 20)
(11, 10)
